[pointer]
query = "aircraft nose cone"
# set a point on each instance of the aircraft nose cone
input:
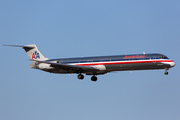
(172, 64)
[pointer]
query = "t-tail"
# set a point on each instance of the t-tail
(32, 51)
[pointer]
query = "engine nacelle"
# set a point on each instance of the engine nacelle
(44, 66)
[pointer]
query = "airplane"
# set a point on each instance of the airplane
(96, 65)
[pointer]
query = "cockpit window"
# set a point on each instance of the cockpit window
(163, 57)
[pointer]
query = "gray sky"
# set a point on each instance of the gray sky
(64, 29)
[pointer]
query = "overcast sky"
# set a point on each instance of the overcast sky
(63, 29)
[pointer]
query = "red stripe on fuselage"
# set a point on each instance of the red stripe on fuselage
(124, 62)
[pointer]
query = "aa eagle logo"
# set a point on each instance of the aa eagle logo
(35, 55)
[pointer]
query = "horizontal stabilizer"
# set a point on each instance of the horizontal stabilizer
(20, 46)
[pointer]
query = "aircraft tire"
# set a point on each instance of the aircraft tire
(94, 78)
(80, 76)
(166, 73)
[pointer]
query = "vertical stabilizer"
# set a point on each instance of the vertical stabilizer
(33, 52)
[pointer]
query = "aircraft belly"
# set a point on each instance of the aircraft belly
(58, 71)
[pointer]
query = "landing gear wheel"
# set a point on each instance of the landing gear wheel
(94, 78)
(166, 73)
(80, 76)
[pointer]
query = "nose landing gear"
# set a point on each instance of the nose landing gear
(166, 72)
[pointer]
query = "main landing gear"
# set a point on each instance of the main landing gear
(94, 78)
(81, 77)
(166, 72)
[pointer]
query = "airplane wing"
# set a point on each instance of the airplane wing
(68, 67)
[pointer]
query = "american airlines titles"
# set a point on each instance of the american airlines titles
(135, 56)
